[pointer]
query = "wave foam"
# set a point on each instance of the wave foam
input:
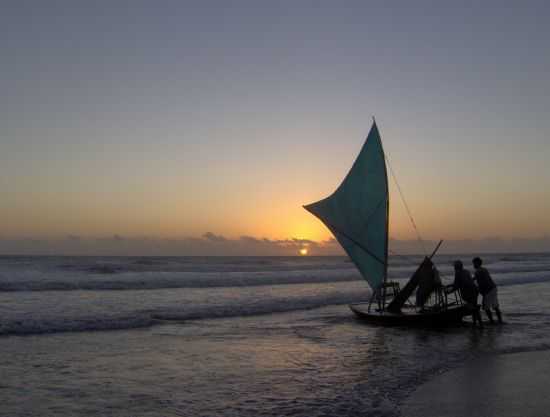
(147, 318)
(159, 280)
(35, 281)
(38, 326)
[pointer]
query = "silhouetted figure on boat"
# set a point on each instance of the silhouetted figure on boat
(427, 284)
(468, 290)
(488, 290)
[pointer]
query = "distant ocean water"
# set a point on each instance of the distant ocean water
(252, 335)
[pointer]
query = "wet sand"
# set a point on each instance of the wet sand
(507, 385)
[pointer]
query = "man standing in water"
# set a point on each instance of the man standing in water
(488, 290)
(468, 290)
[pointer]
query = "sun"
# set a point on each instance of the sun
(303, 251)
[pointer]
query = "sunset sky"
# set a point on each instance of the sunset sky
(170, 119)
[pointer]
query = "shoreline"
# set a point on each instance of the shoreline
(505, 385)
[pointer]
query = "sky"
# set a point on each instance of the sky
(179, 120)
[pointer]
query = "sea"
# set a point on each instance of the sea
(234, 336)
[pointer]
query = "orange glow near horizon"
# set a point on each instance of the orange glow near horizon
(274, 212)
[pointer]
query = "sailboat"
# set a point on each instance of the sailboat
(357, 214)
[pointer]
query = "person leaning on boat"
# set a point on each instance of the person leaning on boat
(468, 290)
(428, 284)
(488, 290)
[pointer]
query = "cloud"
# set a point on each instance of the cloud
(214, 238)
(490, 244)
(213, 244)
(253, 240)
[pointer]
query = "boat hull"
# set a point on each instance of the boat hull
(443, 318)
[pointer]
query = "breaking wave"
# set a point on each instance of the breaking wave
(37, 281)
(40, 295)
(159, 280)
(147, 318)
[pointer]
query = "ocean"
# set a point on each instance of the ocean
(234, 336)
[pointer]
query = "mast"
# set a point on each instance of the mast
(387, 226)
(386, 250)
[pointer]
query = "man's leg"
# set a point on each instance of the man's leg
(490, 315)
(499, 315)
(477, 317)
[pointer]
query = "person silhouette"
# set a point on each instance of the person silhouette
(468, 290)
(488, 290)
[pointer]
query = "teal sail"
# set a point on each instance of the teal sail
(357, 212)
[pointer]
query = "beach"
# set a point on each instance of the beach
(220, 337)
(506, 385)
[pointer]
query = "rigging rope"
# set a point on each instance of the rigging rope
(405, 204)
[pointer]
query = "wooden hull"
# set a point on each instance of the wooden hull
(443, 318)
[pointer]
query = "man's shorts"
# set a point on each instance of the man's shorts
(490, 300)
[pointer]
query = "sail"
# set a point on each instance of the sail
(357, 212)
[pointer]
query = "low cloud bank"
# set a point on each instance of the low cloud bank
(206, 245)
(212, 244)
(472, 246)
